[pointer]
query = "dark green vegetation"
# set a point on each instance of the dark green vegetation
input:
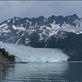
(6, 57)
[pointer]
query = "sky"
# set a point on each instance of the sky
(9, 9)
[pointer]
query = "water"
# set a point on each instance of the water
(56, 71)
(42, 72)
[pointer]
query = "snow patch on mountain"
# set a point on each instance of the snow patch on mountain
(18, 28)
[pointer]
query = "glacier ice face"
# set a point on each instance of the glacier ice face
(29, 54)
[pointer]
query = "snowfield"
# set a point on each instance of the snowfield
(29, 54)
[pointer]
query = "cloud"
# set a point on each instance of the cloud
(9, 9)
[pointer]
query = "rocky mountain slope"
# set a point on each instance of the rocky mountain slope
(28, 30)
(53, 32)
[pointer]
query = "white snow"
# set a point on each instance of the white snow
(4, 29)
(3, 25)
(18, 28)
(29, 54)
(9, 20)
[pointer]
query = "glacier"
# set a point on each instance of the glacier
(30, 54)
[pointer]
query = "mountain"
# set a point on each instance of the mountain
(53, 32)
(23, 30)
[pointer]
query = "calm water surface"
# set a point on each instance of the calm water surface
(41, 72)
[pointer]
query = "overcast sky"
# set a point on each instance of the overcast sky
(9, 9)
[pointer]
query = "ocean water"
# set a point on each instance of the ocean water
(44, 65)
(42, 72)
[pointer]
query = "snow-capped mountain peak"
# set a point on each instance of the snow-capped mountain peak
(38, 30)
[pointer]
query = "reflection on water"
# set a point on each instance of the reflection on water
(41, 72)
(75, 72)
(4, 71)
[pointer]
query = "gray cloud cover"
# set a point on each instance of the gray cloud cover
(9, 9)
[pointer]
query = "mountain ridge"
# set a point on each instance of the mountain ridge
(46, 27)
(53, 32)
